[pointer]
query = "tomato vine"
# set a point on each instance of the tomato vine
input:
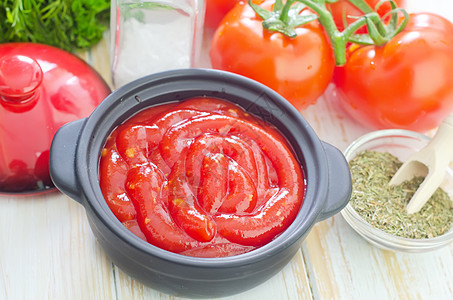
(286, 16)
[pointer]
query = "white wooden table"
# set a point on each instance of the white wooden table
(47, 250)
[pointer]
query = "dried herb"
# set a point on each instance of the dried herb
(384, 206)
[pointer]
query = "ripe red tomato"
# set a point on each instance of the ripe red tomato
(343, 8)
(407, 83)
(216, 10)
(298, 68)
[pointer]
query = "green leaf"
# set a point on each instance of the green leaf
(374, 33)
(9, 16)
(67, 24)
(277, 25)
(295, 9)
(301, 20)
(263, 13)
(278, 5)
(395, 26)
(362, 39)
(284, 18)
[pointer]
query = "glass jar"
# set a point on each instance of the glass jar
(153, 36)
(41, 89)
(400, 143)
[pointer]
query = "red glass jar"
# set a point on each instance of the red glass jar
(41, 89)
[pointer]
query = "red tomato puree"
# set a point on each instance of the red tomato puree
(201, 177)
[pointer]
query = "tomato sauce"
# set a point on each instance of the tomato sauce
(201, 177)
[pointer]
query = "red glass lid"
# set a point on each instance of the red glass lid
(41, 89)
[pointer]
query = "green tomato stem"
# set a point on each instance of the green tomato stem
(282, 19)
(337, 38)
(284, 16)
(362, 5)
(366, 9)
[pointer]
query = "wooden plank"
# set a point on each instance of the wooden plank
(291, 283)
(344, 266)
(99, 58)
(48, 251)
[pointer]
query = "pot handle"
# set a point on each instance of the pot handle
(62, 158)
(340, 185)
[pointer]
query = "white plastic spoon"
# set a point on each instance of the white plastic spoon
(431, 161)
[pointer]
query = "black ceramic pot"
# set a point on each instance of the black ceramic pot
(74, 159)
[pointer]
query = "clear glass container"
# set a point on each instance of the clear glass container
(400, 143)
(150, 36)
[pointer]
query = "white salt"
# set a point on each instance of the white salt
(164, 43)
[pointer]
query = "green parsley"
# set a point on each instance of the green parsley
(67, 24)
